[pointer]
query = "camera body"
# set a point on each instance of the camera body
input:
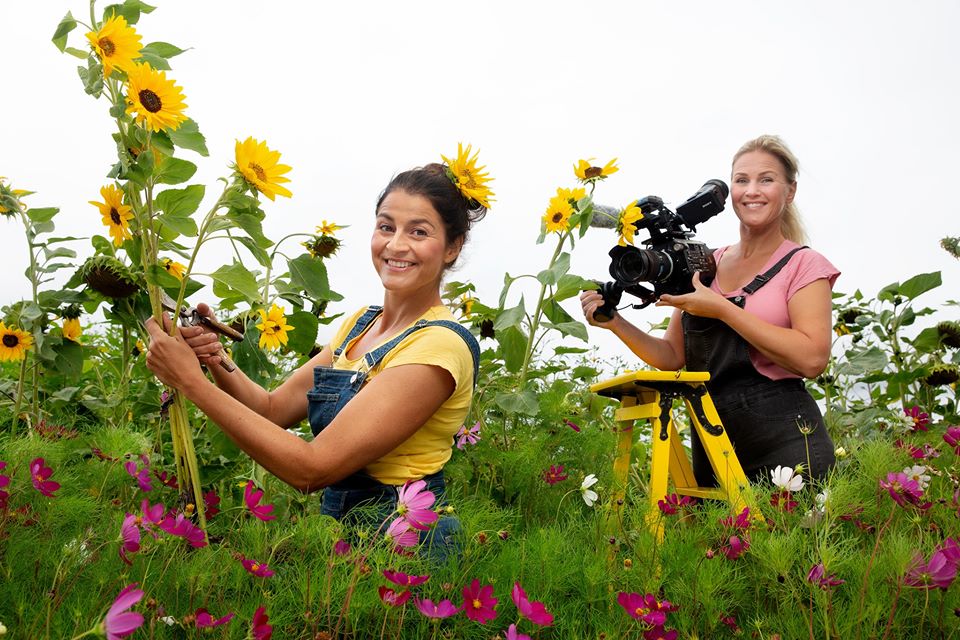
(671, 256)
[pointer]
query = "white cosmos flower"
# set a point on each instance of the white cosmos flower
(785, 479)
(918, 472)
(589, 495)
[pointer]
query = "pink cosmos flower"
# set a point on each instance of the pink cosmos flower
(920, 419)
(535, 612)
(413, 503)
(904, 490)
(478, 602)
(554, 474)
(4, 483)
(39, 473)
(736, 547)
(255, 568)
(922, 452)
(659, 633)
(392, 598)
(951, 549)
(572, 425)
(167, 480)
(645, 608)
(513, 634)
(403, 579)
(401, 533)
(467, 436)
(142, 476)
(152, 515)
(939, 572)
(952, 438)
(251, 497)
(211, 503)
(129, 537)
(205, 620)
(819, 577)
(341, 547)
(784, 501)
(119, 623)
(741, 522)
(673, 503)
(259, 627)
(443, 609)
(730, 622)
(181, 527)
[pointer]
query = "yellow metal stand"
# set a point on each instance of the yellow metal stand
(649, 395)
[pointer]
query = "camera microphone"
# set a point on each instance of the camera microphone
(604, 216)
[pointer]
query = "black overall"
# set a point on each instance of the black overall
(765, 419)
(332, 389)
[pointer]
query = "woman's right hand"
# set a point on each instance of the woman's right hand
(590, 301)
(204, 341)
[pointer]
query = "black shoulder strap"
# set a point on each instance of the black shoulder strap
(765, 277)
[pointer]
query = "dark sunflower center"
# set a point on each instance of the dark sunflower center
(593, 172)
(150, 101)
(557, 217)
(115, 216)
(10, 341)
(257, 169)
(106, 45)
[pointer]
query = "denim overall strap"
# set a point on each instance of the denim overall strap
(359, 327)
(374, 357)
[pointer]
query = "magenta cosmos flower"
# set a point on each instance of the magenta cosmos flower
(413, 503)
(211, 504)
(478, 602)
(736, 547)
(467, 436)
(251, 497)
(129, 537)
(554, 474)
(645, 608)
(535, 612)
(141, 475)
(938, 573)
(572, 425)
(120, 623)
(392, 598)
(254, 568)
(904, 490)
(819, 577)
(40, 473)
(920, 419)
(181, 527)
(403, 579)
(672, 503)
(205, 620)
(741, 522)
(443, 609)
(4, 483)
(513, 634)
(341, 547)
(259, 627)
(402, 534)
(952, 438)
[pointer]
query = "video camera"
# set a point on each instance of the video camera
(672, 256)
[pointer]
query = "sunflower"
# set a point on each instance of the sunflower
(71, 329)
(573, 196)
(156, 101)
(468, 177)
(273, 328)
(587, 173)
(465, 304)
(625, 225)
(258, 166)
(322, 246)
(557, 217)
(14, 343)
(173, 268)
(328, 228)
(116, 215)
(116, 44)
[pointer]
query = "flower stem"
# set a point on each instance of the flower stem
(866, 575)
(535, 320)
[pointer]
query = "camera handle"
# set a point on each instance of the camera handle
(612, 292)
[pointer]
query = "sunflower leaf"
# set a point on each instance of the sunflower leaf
(66, 25)
(304, 336)
(570, 285)
(513, 346)
(42, 215)
(311, 276)
(574, 328)
(180, 202)
(559, 267)
(77, 53)
(162, 49)
(188, 136)
(251, 223)
(239, 279)
(175, 171)
(510, 317)
(262, 256)
(157, 62)
(524, 402)
(92, 77)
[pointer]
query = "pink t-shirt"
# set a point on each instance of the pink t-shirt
(769, 303)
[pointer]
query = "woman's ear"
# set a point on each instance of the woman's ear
(791, 191)
(453, 251)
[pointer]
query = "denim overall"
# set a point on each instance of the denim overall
(332, 389)
(762, 417)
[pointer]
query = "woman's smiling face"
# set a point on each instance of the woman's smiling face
(760, 191)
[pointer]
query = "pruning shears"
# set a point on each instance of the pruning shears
(190, 317)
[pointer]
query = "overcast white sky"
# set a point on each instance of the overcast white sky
(866, 93)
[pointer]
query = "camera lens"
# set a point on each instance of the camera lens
(630, 265)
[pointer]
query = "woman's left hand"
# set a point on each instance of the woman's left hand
(169, 357)
(703, 301)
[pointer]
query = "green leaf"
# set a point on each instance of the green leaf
(927, 341)
(237, 278)
(251, 222)
(67, 24)
(513, 347)
(552, 275)
(161, 142)
(178, 205)
(77, 53)
(575, 329)
(251, 360)
(920, 284)
(102, 246)
(162, 49)
(570, 285)
(188, 136)
(563, 350)
(175, 171)
(130, 10)
(155, 61)
(261, 256)
(59, 252)
(859, 362)
(42, 215)
(303, 338)
(510, 317)
(30, 312)
(92, 78)
(555, 313)
(69, 359)
(524, 402)
(310, 275)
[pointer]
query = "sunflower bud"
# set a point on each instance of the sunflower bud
(949, 334)
(109, 277)
(322, 246)
(942, 374)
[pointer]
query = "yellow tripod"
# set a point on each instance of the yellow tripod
(649, 395)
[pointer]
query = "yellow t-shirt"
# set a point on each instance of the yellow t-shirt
(429, 448)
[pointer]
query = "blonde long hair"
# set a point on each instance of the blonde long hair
(790, 225)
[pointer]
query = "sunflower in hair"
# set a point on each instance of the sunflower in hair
(14, 343)
(470, 179)
(156, 101)
(260, 167)
(116, 43)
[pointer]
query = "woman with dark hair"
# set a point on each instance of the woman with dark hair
(760, 327)
(385, 397)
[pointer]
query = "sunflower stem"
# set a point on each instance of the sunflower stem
(535, 322)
